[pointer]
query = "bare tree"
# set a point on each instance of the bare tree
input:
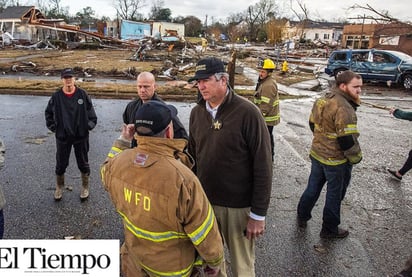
(53, 9)
(7, 3)
(377, 16)
(235, 18)
(55, 5)
(129, 9)
(257, 16)
(3, 5)
(41, 4)
(268, 10)
(303, 12)
(236, 31)
(303, 16)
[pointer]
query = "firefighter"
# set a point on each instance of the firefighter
(169, 224)
(267, 98)
(335, 149)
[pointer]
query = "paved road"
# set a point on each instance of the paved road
(377, 210)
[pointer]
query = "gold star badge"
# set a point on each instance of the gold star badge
(217, 125)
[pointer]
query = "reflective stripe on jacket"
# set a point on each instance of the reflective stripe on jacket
(334, 116)
(267, 99)
(167, 218)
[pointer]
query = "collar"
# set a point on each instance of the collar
(172, 148)
(160, 145)
(354, 102)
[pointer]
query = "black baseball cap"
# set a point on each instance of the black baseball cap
(207, 67)
(67, 72)
(153, 117)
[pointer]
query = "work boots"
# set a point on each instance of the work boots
(58, 193)
(84, 194)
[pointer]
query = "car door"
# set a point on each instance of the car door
(359, 62)
(383, 66)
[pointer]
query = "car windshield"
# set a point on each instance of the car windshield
(402, 56)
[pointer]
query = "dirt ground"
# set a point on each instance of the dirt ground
(122, 64)
(106, 72)
(109, 63)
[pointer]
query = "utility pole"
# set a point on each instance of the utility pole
(205, 28)
(363, 23)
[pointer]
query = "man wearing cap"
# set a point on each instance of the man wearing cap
(267, 97)
(70, 115)
(170, 227)
(146, 87)
(231, 146)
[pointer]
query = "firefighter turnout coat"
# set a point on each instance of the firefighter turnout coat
(168, 221)
(267, 99)
(334, 124)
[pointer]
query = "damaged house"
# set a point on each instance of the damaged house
(26, 25)
(15, 21)
(132, 30)
(167, 31)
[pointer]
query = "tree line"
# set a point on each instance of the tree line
(257, 23)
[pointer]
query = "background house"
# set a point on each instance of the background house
(329, 33)
(163, 30)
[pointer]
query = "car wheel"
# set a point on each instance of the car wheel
(407, 81)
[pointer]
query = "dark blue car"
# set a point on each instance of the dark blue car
(391, 67)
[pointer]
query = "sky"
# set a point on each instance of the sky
(221, 9)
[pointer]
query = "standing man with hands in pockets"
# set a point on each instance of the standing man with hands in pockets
(70, 115)
(230, 143)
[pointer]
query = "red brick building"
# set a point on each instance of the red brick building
(393, 36)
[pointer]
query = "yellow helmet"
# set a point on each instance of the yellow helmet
(266, 64)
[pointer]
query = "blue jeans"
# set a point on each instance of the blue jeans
(337, 179)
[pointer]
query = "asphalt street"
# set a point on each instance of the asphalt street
(377, 210)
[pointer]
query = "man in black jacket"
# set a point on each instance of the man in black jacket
(70, 115)
(146, 86)
(231, 147)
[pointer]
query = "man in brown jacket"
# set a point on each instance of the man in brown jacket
(170, 226)
(335, 148)
(231, 146)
